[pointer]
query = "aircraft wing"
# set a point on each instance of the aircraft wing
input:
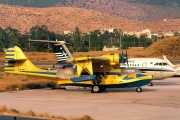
(86, 63)
(93, 59)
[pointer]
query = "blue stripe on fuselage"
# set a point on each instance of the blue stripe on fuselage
(83, 78)
(9, 54)
(35, 72)
(9, 59)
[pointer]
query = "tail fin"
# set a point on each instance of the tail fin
(17, 63)
(61, 52)
(169, 62)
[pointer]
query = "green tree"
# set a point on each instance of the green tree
(23, 42)
(3, 43)
(40, 33)
(13, 36)
(176, 33)
(77, 38)
(105, 38)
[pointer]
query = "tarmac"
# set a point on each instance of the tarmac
(158, 102)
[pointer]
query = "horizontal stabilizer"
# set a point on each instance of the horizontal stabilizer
(47, 41)
(83, 78)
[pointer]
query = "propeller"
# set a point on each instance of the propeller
(127, 58)
(124, 57)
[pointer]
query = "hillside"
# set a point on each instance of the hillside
(128, 9)
(168, 46)
(145, 10)
(59, 19)
(169, 3)
(49, 3)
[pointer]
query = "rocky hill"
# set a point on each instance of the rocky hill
(59, 19)
(145, 10)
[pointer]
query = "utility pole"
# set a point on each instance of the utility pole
(120, 39)
(111, 39)
(134, 40)
(29, 39)
(89, 40)
(48, 43)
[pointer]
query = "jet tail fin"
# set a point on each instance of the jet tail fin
(61, 52)
(167, 60)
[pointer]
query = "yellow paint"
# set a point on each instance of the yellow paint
(132, 76)
(113, 58)
(84, 65)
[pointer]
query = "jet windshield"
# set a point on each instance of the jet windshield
(161, 63)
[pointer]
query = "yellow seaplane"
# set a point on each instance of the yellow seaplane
(98, 73)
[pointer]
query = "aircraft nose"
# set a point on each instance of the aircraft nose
(173, 73)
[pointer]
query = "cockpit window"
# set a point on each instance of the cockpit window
(160, 64)
(165, 64)
(156, 64)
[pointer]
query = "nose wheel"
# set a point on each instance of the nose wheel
(139, 89)
(150, 84)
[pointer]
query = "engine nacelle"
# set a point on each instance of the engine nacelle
(116, 58)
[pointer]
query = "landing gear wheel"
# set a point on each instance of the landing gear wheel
(150, 84)
(95, 89)
(139, 89)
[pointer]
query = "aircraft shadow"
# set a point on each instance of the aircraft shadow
(109, 90)
(164, 83)
(128, 90)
